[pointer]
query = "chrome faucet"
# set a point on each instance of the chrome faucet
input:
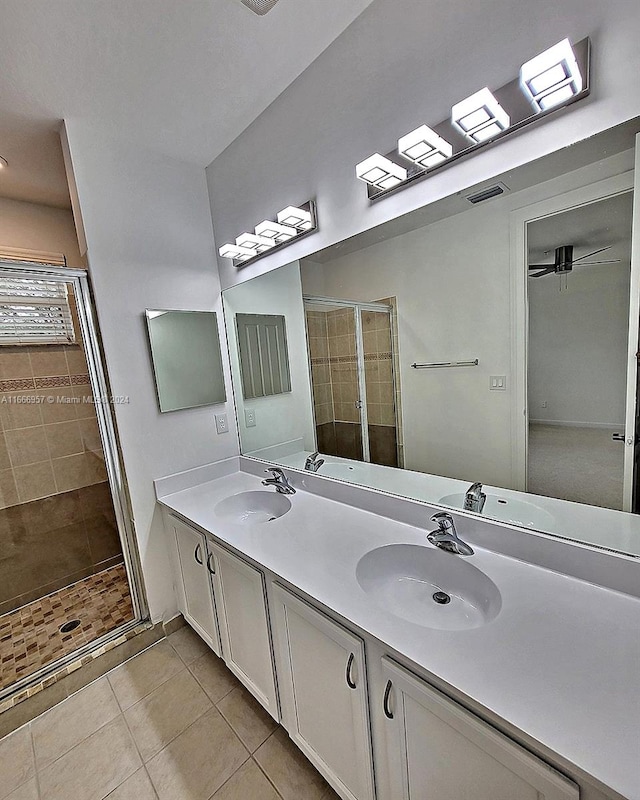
(446, 536)
(475, 498)
(313, 463)
(279, 480)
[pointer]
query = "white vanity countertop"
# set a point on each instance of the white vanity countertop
(560, 662)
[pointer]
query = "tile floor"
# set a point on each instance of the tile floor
(30, 636)
(170, 724)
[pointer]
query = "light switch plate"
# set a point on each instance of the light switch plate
(222, 426)
(498, 383)
(249, 418)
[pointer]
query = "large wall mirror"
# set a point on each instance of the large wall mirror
(490, 343)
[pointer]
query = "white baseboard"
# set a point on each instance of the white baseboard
(558, 423)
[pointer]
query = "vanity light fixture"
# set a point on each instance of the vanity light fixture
(424, 147)
(276, 231)
(480, 117)
(293, 223)
(257, 244)
(236, 253)
(552, 77)
(380, 172)
(548, 82)
(294, 217)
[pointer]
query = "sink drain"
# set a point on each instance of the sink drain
(69, 626)
(442, 598)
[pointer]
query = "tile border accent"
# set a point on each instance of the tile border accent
(48, 382)
(350, 359)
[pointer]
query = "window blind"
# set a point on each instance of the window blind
(34, 312)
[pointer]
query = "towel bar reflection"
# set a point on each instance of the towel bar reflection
(441, 364)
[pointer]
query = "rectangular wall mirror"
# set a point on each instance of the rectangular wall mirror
(187, 362)
(466, 343)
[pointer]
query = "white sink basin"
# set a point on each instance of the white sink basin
(248, 508)
(346, 472)
(506, 509)
(403, 579)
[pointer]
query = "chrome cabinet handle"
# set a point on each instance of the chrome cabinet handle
(385, 703)
(195, 554)
(209, 557)
(350, 682)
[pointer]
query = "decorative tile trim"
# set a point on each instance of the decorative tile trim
(47, 382)
(52, 381)
(16, 384)
(350, 359)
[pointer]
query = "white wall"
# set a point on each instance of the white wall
(150, 245)
(452, 283)
(578, 346)
(283, 417)
(397, 66)
(29, 226)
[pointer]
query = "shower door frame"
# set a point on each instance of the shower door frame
(100, 390)
(358, 307)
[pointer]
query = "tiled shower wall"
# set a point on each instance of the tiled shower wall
(332, 345)
(56, 514)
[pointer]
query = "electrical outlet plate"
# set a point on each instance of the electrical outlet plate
(222, 426)
(249, 418)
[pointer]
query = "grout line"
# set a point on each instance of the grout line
(36, 771)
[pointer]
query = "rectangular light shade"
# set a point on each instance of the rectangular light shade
(235, 252)
(378, 171)
(256, 243)
(294, 217)
(424, 147)
(552, 77)
(480, 117)
(276, 231)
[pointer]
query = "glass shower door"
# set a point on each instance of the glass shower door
(336, 378)
(380, 397)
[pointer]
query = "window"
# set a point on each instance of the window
(34, 312)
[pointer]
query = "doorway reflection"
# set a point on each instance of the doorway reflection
(356, 405)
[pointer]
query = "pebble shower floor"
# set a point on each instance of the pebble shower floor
(30, 637)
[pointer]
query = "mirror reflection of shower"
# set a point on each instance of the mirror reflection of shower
(356, 400)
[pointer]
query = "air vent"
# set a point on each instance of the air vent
(486, 194)
(260, 7)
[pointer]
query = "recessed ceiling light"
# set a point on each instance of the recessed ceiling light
(380, 172)
(3, 162)
(260, 7)
(294, 217)
(258, 244)
(480, 117)
(424, 147)
(552, 77)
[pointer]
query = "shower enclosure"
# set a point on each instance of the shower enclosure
(352, 348)
(69, 572)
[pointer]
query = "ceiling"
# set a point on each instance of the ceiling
(606, 223)
(184, 78)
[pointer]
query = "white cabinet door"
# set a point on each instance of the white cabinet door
(438, 750)
(195, 566)
(323, 689)
(244, 626)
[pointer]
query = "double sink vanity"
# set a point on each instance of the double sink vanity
(401, 667)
